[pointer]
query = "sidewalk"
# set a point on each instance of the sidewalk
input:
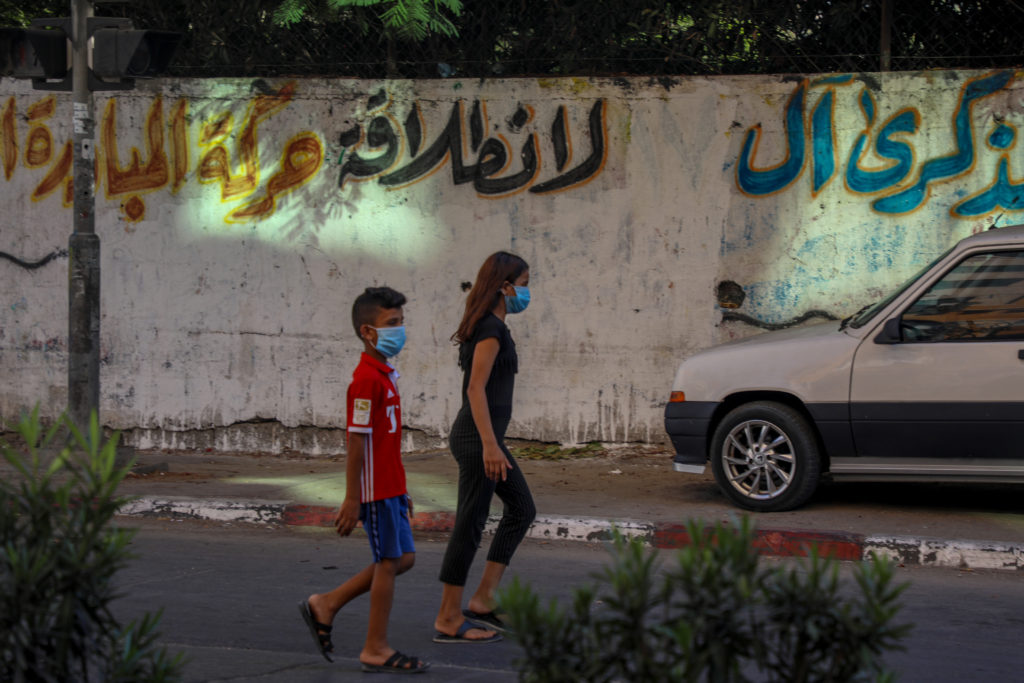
(633, 489)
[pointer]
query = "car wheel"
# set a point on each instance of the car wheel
(765, 457)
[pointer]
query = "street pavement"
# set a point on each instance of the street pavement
(228, 595)
(582, 499)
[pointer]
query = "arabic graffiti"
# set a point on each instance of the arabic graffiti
(177, 146)
(893, 181)
(127, 179)
(302, 157)
(376, 151)
(39, 147)
(137, 177)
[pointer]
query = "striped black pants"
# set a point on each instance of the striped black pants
(475, 493)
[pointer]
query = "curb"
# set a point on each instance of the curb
(903, 550)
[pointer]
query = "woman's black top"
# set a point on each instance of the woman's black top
(501, 383)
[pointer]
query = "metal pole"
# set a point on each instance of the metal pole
(84, 244)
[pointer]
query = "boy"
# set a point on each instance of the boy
(375, 486)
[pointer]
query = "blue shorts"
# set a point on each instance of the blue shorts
(387, 526)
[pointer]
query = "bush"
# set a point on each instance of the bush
(715, 614)
(58, 559)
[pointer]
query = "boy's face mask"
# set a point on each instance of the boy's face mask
(518, 302)
(390, 340)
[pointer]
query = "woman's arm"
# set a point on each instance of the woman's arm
(495, 463)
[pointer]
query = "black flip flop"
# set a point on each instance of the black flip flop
(460, 635)
(396, 664)
(487, 620)
(321, 632)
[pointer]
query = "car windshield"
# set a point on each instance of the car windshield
(865, 314)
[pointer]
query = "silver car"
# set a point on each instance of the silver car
(926, 384)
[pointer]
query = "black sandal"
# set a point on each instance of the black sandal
(321, 632)
(398, 664)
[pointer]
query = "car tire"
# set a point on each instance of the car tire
(765, 457)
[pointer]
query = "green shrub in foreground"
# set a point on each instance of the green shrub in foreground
(714, 614)
(58, 558)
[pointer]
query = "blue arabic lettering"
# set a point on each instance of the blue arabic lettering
(951, 165)
(761, 182)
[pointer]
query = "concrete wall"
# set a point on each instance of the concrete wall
(240, 218)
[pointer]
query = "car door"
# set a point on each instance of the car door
(951, 383)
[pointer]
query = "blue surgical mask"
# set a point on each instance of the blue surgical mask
(519, 302)
(390, 340)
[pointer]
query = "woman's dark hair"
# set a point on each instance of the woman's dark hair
(499, 268)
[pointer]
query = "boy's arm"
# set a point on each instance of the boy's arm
(348, 514)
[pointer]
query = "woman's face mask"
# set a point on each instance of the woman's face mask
(519, 301)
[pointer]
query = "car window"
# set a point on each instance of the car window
(982, 298)
(868, 312)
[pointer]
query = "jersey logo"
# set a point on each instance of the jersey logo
(394, 420)
(391, 394)
(361, 411)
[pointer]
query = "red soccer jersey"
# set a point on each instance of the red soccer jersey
(374, 409)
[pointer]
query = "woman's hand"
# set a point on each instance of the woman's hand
(496, 465)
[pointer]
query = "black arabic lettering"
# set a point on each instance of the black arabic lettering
(492, 153)
(448, 145)
(486, 185)
(589, 167)
(379, 134)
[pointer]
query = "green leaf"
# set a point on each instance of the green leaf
(60, 554)
(289, 12)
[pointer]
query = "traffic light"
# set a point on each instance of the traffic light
(117, 51)
(120, 52)
(39, 53)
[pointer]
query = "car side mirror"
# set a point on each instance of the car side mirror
(891, 333)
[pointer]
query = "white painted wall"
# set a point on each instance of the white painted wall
(236, 334)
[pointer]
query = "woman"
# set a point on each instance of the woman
(487, 356)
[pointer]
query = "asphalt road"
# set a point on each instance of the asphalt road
(229, 597)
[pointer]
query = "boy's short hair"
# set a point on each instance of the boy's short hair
(366, 305)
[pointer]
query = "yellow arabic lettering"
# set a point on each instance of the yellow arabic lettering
(215, 165)
(57, 174)
(179, 144)
(10, 148)
(301, 160)
(135, 177)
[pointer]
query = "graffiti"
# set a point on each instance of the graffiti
(733, 316)
(165, 161)
(224, 152)
(215, 164)
(39, 147)
(32, 265)
(376, 151)
(1003, 193)
(39, 151)
(136, 177)
(300, 161)
(10, 142)
(898, 190)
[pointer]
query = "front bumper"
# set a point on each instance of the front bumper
(686, 423)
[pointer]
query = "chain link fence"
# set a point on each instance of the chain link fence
(498, 38)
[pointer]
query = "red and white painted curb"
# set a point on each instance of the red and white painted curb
(904, 550)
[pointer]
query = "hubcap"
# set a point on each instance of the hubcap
(758, 459)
